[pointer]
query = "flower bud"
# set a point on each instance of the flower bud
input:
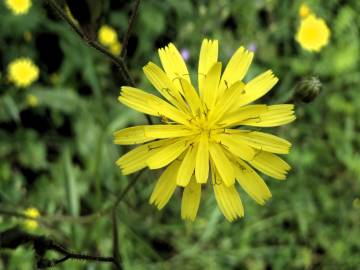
(307, 89)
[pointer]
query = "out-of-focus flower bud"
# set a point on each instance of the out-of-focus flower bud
(307, 89)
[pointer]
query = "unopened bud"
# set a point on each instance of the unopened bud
(307, 89)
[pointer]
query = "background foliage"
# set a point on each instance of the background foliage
(59, 156)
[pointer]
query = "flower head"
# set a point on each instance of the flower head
(313, 33)
(18, 7)
(304, 10)
(31, 223)
(22, 72)
(107, 35)
(116, 48)
(200, 139)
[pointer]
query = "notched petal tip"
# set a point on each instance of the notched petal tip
(148, 65)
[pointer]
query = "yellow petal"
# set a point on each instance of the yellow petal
(190, 200)
(150, 104)
(138, 100)
(257, 87)
(238, 147)
(166, 131)
(187, 166)
(191, 96)
(208, 57)
(165, 186)
(164, 85)
(236, 68)
(211, 85)
(229, 201)
(131, 135)
(275, 115)
(236, 117)
(224, 103)
(252, 183)
(222, 163)
(173, 65)
(271, 165)
(202, 160)
(166, 154)
(135, 159)
(262, 141)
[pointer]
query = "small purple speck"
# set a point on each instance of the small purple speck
(252, 47)
(185, 54)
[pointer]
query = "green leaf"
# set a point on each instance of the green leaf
(70, 184)
(62, 99)
(9, 109)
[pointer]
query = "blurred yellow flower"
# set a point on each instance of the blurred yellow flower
(18, 7)
(107, 35)
(199, 137)
(32, 213)
(32, 100)
(22, 72)
(304, 10)
(313, 33)
(116, 48)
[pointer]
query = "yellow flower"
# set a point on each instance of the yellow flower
(313, 33)
(32, 100)
(107, 35)
(116, 48)
(18, 7)
(23, 72)
(304, 10)
(32, 213)
(199, 136)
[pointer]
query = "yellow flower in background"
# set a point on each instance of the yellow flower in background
(18, 7)
(116, 48)
(32, 213)
(313, 33)
(304, 10)
(199, 140)
(32, 100)
(107, 35)
(22, 72)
